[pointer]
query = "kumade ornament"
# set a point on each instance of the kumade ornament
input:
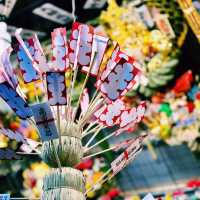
(61, 122)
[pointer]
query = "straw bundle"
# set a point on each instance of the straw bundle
(69, 152)
(62, 194)
(68, 178)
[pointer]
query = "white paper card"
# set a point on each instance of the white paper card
(53, 13)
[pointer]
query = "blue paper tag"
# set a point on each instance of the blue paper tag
(45, 121)
(4, 196)
(12, 98)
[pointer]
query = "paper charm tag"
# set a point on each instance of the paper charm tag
(124, 159)
(99, 46)
(112, 62)
(13, 135)
(31, 144)
(12, 98)
(4, 196)
(80, 44)
(145, 16)
(148, 197)
(29, 71)
(5, 60)
(37, 54)
(133, 115)
(85, 101)
(118, 80)
(8, 154)
(60, 59)
(111, 113)
(123, 144)
(124, 129)
(164, 25)
(57, 91)
(45, 121)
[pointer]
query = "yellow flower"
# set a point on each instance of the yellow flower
(168, 197)
(3, 141)
(40, 169)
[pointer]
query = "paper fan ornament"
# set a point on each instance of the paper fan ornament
(62, 126)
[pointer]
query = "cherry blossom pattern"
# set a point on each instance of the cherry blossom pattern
(110, 113)
(131, 84)
(80, 44)
(99, 46)
(29, 72)
(118, 80)
(45, 122)
(13, 135)
(56, 88)
(8, 69)
(12, 98)
(60, 59)
(35, 49)
(84, 101)
(132, 115)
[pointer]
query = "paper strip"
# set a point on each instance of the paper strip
(12, 98)
(29, 71)
(128, 155)
(85, 101)
(99, 46)
(45, 121)
(85, 46)
(60, 59)
(57, 91)
(37, 54)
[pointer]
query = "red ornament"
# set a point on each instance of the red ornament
(105, 197)
(183, 84)
(190, 106)
(193, 183)
(114, 192)
(198, 96)
(87, 164)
